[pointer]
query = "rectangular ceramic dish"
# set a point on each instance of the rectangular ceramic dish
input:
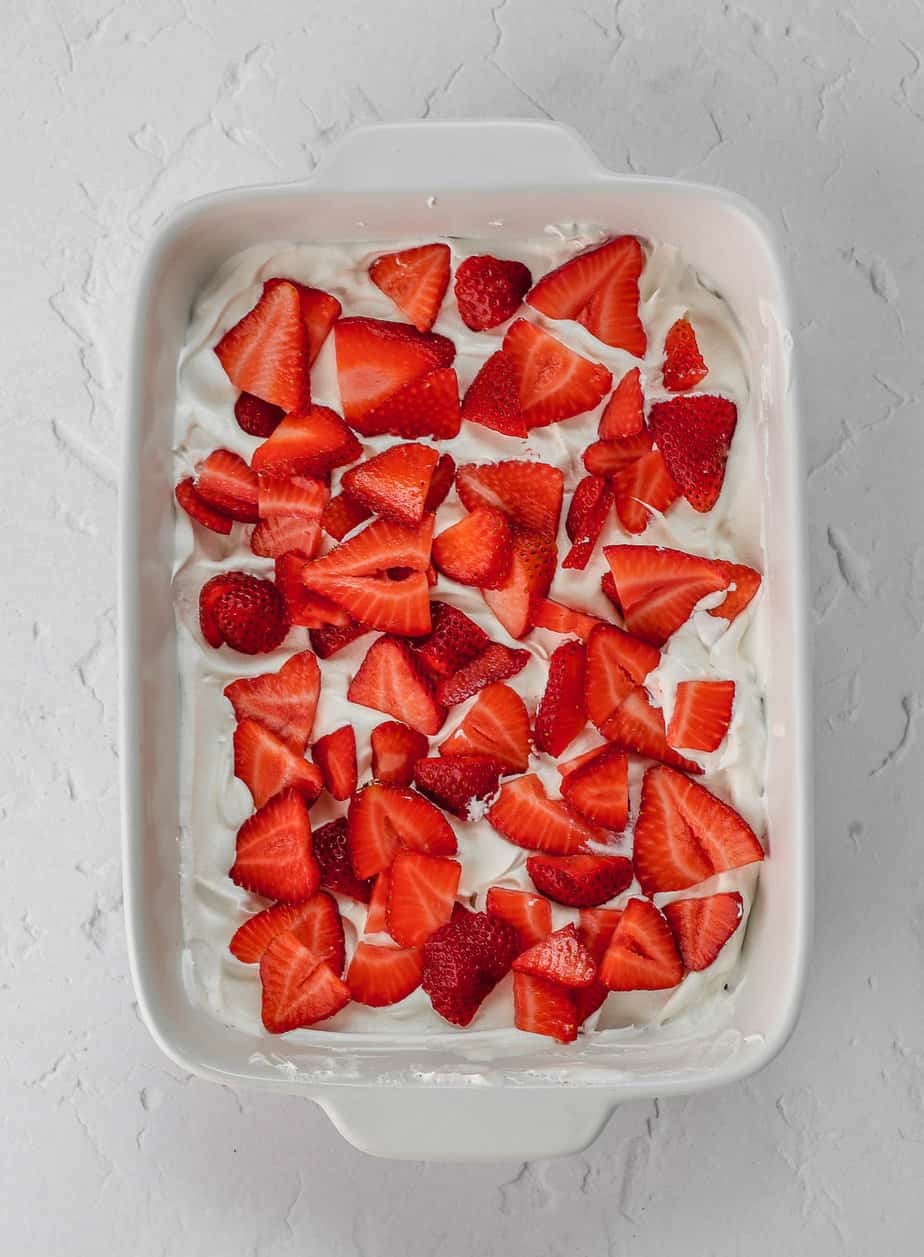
(446, 1097)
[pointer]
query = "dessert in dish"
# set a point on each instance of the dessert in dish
(472, 660)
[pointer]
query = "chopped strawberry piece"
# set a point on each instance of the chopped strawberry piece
(543, 1007)
(379, 548)
(332, 852)
(342, 514)
(490, 290)
(616, 664)
(395, 483)
(565, 767)
(694, 435)
(587, 515)
(281, 534)
(308, 443)
(683, 363)
(638, 727)
(599, 289)
(382, 820)
(421, 892)
(701, 716)
(400, 606)
(530, 915)
(532, 568)
(201, 511)
(284, 702)
(335, 755)
(555, 382)
(320, 311)
(493, 397)
(273, 851)
(416, 281)
(291, 495)
(455, 781)
(441, 482)
(246, 613)
(684, 834)
(744, 583)
(608, 586)
(316, 923)
(257, 417)
(638, 476)
(226, 482)
(395, 751)
(298, 989)
(529, 494)
(380, 976)
(596, 929)
(580, 881)
(464, 960)
(525, 815)
(497, 725)
(390, 680)
(561, 957)
(558, 618)
(478, 550)
(428, 406)
(309, 610)
(376, 917)
(624, 413)
(267, 765)
(702, 927)
(327, 639)
(266, 353)
(495, 663)
(599, 789)
(454, 641)
(642, 955)
(561, 715)
(377, 358)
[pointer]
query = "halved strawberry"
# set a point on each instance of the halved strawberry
(327, 639)
(291, 495)
(543, 1007)
(497, 725)
(624, 413)
(335, 755)
(637, 726)
(267, 765)
(395, 751)
(683, 366)
(702, 927)
(455, 781)
(490, 290)
(587, 514)
(395, 483)
(580, 881)
(638, 477)
(226, 482)
(342, 514)
(382, 820)
(421, 892)
(530, 915)
(525, 815)
(444, 474)
(493, 397)
(555, 383)
(701, 716)
(376, 917)
(298, 989)
(266, 353)
(642, 955)
(561, 957)
(561, 715)
(201, 511)
(390, 680)
(316, 923)
(495, 663)
(307, 609)
(400, 606)
(598, 288)
(464, 960)
(529, 494)
(380, 976)
(453, 642)
(246, 613)
(478, 550)
(428, 406)
(416, 281)
(332, 852)
(273, 851)
(320, 311)
(595, 929)
(532, 568)
(257, 417)
(307, 443)
(379, 548)
(284, 702)
(684, 834)
(599, 789)
(558, 618)
(694, 435)
(281, 534)
(617, 662)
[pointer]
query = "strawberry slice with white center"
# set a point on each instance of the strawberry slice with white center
(416, 281)
(376, 359)
(455, 781)
(543, 1007)
(555, 383)
(454, 641)
(267, 352)
(316, 923)
(335, 755)
(383, 820)
(281, 534)
(380, 547)
(394, 484)
(683, 367)
(400, 606)
(477, 551)
(226, 482)
(624, 413)
(284, 702)
(599, 788)
(561, 715)
(642, 955)
(391, 680)
(493, 397)
(529, 494)
(525, 815)
(617, 663)
(298, 989)
(580, 881)
(561, 957)
(529, 914)
(421, 892)
(558, 618)
(381, 976)
(395, 751)
(201, 511)
(273, 851)
(308, 443)
(291, 495)
(702, 927)
(694, 435)
(587, 515)
(701, 716)
(497, 725)
(532, 568)
(684, 834)
(599, 289)
(496, 662)
(267, 765)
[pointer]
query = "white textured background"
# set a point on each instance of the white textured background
(110, 114)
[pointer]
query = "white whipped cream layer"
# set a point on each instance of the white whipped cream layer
(213, 803)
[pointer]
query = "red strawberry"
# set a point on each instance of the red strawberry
(558, 618)
(638, 727)
(416, 281)
(332, 852)
(320, 311)
(543, 1007)
(316, 923)
(744, 584)
(702, 927)
(531, 571)
(291, 495)
(390, 680)
(561, 957)
(247, 613)
(561, 715)
(395, 751)
(395, 483)
(478, 550)
(525, 815)
(341, 515)
(624, 413)
(598, 288)
(580, 881)
(701, 716)
(421, 892)
(383, 820)
(529, 494)
(684, 834)
(281, 534)
(226, 482)
(497, 725)
(694, 435)
(284, 701)
(266, 765)
(401, 606)
(587, 514)
(464, 960)
(495, 663)
(376, 917)
(454, 641)
(309, 610)
(555, 382)
(596, 929)
(490, 290)
(565, 767)
(428, 406)
(335, 755)
(298, 989)
(380, 976)
(493, 397)
(257, 417)
(378, 549)
(329, 638)
(198, 509)
(599, 789)
(616, 664)
(683, 363)
(308, 443)
(273, 853)
(608, 586)
(266, 353)
(440, 483)
(641, 955)
(530, 915)
(639, 479)
(455, 781)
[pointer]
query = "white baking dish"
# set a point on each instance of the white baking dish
(446, 1097)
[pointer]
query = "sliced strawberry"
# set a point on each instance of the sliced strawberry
(642, 955)
(266, 353)
(453, 642)
(580, 881)
(257, 417)
(596, 929)
(616, 664)
(395, 483)
(638, 727)
(280, 534)
(624, 413)
(638, 476)
(416, 281)
(273, 851)
(497, 725)
(558, 618)
(701, 716)
(683, 366)
(309, 610)
(341, 515)
(478, 550)
(608, 586)
(332, 852)
(684, 834)
(327, 639)
(226, 482)
(598, 288)
(377, 358)
(532, 568)
(291, 495)
(379, 548)
(561, 715)
(702, 927)
(495, 663)
(395, 751)
(401, 606)
(266, 765)
(382, 820)
(565, 767)
(421, 892)
(201, 511)
(587, 515)
(543, 1007)
(555, 382)
(529, 494)
(744, 583)
(525, 815)
(530, 915)
(444, 474)
(561, 957)
(335, 755)
(390, 680)
(599, 789)
(316, 923)
(428, 406)
(380, 976)
(284, 702)
(376, 917)
(464, 960)
(298, 989)
(246, 613)
(490, 290)
(694, 435)
(309, 443)
(493, 397)
(320, 311)
(455, 781)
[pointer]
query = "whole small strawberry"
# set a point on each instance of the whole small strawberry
(242, 611)
(490, 290)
